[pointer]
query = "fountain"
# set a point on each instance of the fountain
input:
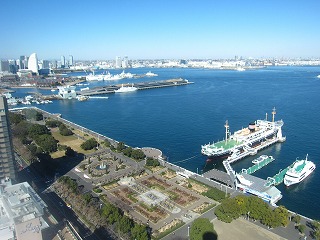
(102, 166)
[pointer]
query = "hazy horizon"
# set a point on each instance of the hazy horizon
(160, 30)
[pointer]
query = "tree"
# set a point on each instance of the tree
(301, 228)
(37, 129)
(89, 144)
(138, 154)
(47, 143)
(201, 229)
(120, 146)
(53, 123)
(15, 118)
(139, 232)
(64, 131)
(296, 219)
(282, 215)
(127, 151)
(152, 162)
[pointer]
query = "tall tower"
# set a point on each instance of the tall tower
(273, 113)
(118, 62)
(70, 60)
(33, 63)
(7, 167)
(63, 61)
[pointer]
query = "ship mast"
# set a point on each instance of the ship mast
(273, 113)
(227, 131)
(266, 116)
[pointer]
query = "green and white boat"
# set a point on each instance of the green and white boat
(251, 139)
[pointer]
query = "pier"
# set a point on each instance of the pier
(265, 160)
(278, 178)
(140, 86)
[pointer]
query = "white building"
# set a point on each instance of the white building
(33, 63)
(22, 212)
(118, 62)
(67, 92)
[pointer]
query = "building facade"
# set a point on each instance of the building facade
(33, 63)
(7, 161)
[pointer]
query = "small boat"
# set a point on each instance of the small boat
(260, 159)
(151, 74)
(299, 171)
(82, 98)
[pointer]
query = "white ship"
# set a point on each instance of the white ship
(151, 74)
(257, 135)
(318, 76)
(240, 69)
(126, 89)
(299, 171)
(95, 77)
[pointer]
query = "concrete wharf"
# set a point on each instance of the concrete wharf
(140, 86)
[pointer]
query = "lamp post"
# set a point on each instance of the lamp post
(188, 230)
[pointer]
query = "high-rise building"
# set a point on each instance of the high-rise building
(63, 61)
(4, 66)
(71, 60)
(33, 63)
(125, 62)
(118, 62)
(45, 64)
(7, 163)
(23, 63)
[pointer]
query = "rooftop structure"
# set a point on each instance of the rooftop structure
(21, 212)
(67, 92)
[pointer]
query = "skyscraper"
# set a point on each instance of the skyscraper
(33, 63)
(70, 60)
(7, 167)
(125, 62)
(63, 61)
(118, 62)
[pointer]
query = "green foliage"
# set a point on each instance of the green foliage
(87, 197)
(316, 229)
(53, 123)
(111, 213)
(301, 228)
(15, 118)
(254, 208)
(296, 219)
(36, 129)
(125, 224)
(215, 194)
(70, 183)
(38, 116)
(139, 232)
(152, 162)
(201, 228)
(106, 143)
(64, 131)
(127, 151)
(89, 144)
(33, 114)
(21, 130)
(120, 146)
(97, 190)
(47, 143)
(138, 154)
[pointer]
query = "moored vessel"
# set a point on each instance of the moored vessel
(300, 170)
(247, 141)
(124, 89)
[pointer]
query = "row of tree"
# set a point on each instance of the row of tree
(253, 207)
(108, 214)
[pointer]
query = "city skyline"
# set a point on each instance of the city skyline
(159, 30)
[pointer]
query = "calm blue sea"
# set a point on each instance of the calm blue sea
(178, 120)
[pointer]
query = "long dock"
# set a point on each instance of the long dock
(265, 160)
(140, 86)
(278, 178)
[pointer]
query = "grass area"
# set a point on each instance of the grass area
(71, 141)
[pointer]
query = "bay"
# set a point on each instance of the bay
(178, 120)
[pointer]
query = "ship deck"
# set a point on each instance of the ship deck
(226, 144)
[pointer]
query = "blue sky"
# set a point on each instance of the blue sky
(159, 29)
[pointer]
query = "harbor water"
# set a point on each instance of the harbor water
(178, 120)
